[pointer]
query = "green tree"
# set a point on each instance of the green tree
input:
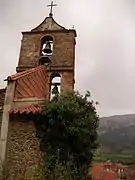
(67, 131)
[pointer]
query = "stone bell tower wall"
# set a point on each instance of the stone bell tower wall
(63, 50)
(67, 80)
(19, 144)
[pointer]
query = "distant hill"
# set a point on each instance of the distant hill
(117, 133)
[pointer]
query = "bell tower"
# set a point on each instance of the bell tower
(46, 67)
(53, 46)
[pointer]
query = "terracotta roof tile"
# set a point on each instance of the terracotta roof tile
(99, 172)
(32, 109)
(109, 175)
(30, 83)
(97, 169)
(24, 73)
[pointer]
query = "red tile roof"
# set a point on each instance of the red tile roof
(30, 83)
(109, 175)
(32, 109)
(25, 73)
(97, 169)
(99, 172)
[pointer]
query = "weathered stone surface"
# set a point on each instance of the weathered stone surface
(48, 24)
(63, 52)
(63, 55)
(2, 97)
(24, 158)
(62, 58)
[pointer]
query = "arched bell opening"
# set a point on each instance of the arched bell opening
(46, 46)
(55, 84)
(44, 61)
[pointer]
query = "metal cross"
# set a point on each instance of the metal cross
(51, 14)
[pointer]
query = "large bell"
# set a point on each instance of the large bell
(47, 48)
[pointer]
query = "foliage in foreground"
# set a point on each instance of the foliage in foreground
(67, 131)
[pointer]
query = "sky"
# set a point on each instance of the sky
(105, 49)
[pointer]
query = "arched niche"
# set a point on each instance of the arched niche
(46, 46)
(55, 84)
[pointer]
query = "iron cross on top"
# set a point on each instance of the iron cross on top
(52, 5)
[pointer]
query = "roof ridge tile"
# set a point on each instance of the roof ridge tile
(24, 73)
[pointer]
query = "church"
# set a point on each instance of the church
(46, 64)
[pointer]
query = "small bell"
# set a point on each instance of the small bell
(55, 90)
(47, 48)
(44, 61)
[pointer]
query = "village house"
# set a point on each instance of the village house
(109, 171)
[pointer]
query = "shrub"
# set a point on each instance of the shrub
(67, 132)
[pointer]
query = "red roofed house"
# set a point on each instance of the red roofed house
(108, 171)
(47, 59)
(99, 172)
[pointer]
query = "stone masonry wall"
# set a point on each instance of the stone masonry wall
(2, 98)
(63, 51)
(67, 81)
(24, 158)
